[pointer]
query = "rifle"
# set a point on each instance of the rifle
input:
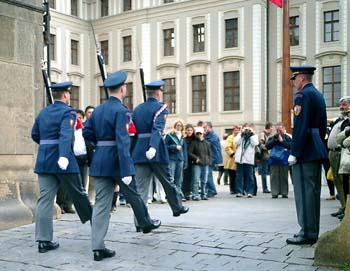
(141, 75)
(143, 83)
(47, 83)
(46, 35)
(100, 61)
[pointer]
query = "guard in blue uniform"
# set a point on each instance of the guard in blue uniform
(307, 153)
(150, 153)
(53, 130)
(111, 164)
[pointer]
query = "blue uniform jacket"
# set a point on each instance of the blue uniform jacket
(215, 148)
(54, 125)
(109, 122)
(310, 125)
(171, 141)
(149, 119)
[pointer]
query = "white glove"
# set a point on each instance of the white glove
(151, 153)
(127, 180)
(292, 160)
(63, 163)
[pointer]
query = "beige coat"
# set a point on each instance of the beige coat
(230, 150)
(344, 167)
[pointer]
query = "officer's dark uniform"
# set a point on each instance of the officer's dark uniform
(53, 130)
(107, 128)
(149, 119)
(310, 123)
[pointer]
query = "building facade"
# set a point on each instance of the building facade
(221, 60)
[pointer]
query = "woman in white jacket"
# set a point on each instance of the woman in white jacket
(244, 158)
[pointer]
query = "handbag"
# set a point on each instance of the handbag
(330, 176)
(345, 160)
(277, 153)
(258, 153)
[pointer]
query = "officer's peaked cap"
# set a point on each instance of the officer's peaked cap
(116, 79)
(61, 86)
(154, 85)
(301, 70)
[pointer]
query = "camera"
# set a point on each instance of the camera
(247, 133)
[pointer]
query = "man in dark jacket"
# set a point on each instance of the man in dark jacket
(307, 153)
(216, 155)
(107, 128)
(200, 154)
(150, 154)
(56, 164)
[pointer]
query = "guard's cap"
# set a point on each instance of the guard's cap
(154, 85)
(199, 129)
(116, 79)
(61, 86)
(301, 70)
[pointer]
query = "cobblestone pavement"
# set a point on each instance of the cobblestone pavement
(224, 233)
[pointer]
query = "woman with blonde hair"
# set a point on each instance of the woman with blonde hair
(177, 150)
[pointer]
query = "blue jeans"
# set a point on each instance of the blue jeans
(263, 168)
(245, 179)
(176, 170)
(200, 174)
(210, 183)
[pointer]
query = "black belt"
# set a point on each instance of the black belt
(336, 149)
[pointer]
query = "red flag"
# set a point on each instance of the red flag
(278, 3)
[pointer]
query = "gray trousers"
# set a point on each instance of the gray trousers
(279, 180)
(334, 161)
(104, 187)
(48, 185)
(307, 192)
(144, 173)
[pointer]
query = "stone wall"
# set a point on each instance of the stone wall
(21, 97)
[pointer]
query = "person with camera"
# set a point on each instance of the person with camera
(244, 158)
(263, 162)
(279, 144)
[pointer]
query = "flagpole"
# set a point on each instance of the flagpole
(286, 84)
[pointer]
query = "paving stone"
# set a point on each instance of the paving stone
(297, 267)
(299, 261)
(271, 266)
(254, 249)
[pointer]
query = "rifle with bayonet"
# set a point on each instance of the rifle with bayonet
(45, 65)
(142, 76)
(47, 83)
(143, 82)
(100, 61)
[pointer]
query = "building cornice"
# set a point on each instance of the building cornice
(193, 62)
(299, 57)
(130, 70)
(54, 69)
(225, 58)
(76, 74)
(168, 65)
(331, 53)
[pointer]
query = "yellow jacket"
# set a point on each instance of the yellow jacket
(230, 150)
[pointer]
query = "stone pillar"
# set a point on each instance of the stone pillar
(21, 97)
(333, 247)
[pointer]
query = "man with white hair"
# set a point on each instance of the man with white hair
(335, 151)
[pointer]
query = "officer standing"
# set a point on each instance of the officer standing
(53, 130)
(307, 153)
(150, 153)
(107, 128)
